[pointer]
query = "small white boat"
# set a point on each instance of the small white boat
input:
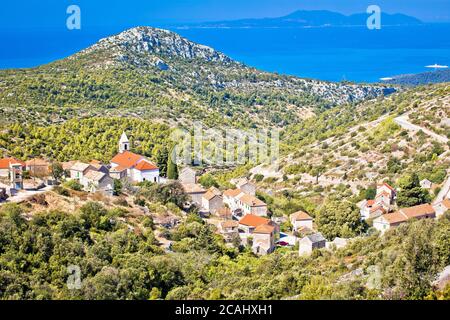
(436, 66)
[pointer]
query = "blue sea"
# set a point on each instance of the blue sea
(326, 53)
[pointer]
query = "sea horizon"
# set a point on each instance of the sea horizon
(330, 53)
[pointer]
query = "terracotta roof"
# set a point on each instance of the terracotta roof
(94, 175)
(5, 163)
(37, 162)
(253, 221)
(264, 228)
(395, 217)
(229, 224)
(80, 166)
(409, 213)
(446, 203)
(384, 193)
(370, 203)
(418, 211)
(372, 210)
(145, 165)
(300, 216)
(68, 164)
(243, 181)
(192, 188)
(96, 164)
(126, 159)
(387, 185)
(210, 194)
(118, 169)
(252, 201)
(232, 192)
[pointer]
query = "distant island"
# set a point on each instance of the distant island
(438, 76)
(305, 18)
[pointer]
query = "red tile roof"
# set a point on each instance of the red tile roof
(301, 216)
(264, 228)
(253, 221)
(446, 203)
(232, 192)
(418, 211)
(37, 162)
(145, 165)
(387, 185)
(127, 159)
(395, 217)
(252, 201)
(409, 213)
(6, 162)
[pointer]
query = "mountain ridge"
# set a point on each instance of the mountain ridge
(157, 74)
(310, 18)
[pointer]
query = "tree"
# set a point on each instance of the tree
(317, 172)
(117, 188)
(172, 168)
(57, 171)
(338, 218)
(411, 194)
(208, 181)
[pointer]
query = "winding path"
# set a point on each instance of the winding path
(404, 123)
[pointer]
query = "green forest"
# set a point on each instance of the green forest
(119, 263)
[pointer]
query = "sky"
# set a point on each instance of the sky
(120, 14)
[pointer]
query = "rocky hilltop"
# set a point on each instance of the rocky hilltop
(158, 74)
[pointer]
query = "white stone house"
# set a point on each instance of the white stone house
(195, 191)
(387, 221)
(426, 184)
(94, 181)
(301, 219)
(263, 239)
(246, 186)
(229, 229)
(311, 242)
(79, 169)
(231, 198)
(237, 199)
(212, 200)
(5, 166)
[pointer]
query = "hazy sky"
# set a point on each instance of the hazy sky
(101, 13)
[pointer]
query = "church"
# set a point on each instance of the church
(135, 167)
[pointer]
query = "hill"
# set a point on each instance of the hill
(348, 149)
(438, 76)
(156, 74)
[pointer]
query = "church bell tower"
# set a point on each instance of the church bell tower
(124, 143)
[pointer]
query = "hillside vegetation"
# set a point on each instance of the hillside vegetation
(156, 74)
(120, 257)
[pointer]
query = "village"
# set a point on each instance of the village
(239, 216)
